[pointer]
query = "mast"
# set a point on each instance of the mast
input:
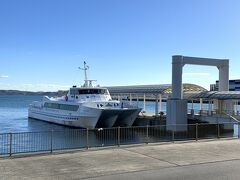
(87, 83)
(85, 68)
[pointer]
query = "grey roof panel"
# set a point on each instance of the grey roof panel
(221, 95)
(153, 89)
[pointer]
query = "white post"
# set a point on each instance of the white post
(212, 106)
(192, 110)
(208, 107)
(237, 113)
(160, 102)
(235, 107)
(137, 99)
(130, 96)
(201, 104)
(144, 102)
(156, 106)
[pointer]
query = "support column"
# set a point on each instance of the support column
(177, 115)
(177, 66)
(192, 110)
(237, 112)
(234, 107)
(224, 76)
(216, 106)
(201, 104)
(209, 108)
(137, 100)
(212, 105)
(144, 102)
(160, 102)
(156, 105)
(130, 97)
(176, 106)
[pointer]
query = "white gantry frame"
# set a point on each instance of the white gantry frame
(179, 61)
(177, 106)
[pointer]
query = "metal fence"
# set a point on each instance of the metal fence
(49, 141)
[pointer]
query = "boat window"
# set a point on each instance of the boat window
(66, 107)
(92, 91)
(73, 91)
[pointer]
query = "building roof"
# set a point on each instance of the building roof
(153, 89)
(191, 91)
(221, 95)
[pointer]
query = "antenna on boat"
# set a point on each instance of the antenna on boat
(87, 83)
(85, 68)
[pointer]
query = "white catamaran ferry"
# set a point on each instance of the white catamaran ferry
(86, 106)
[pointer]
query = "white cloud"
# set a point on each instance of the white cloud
(196, 74)
(3, 76)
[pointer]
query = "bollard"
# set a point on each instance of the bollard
(87, 140)
(218, 130)
(196, 131)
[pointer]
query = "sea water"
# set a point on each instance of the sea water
(14, 114)
(29, 135)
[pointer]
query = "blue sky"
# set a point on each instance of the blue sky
(125, 42)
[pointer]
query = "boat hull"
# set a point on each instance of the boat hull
(127, 117)
(87, 121)
(108, 118)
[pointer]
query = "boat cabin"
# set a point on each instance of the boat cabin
(86, 93)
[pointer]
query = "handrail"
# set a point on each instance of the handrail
(231, 117)
(214, 112)
(54, 140)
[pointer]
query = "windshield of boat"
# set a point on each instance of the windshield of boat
(88, 91)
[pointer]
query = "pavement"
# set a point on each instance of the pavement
(218, 159)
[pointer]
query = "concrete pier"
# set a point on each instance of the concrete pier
(150, 119)
(192, 160)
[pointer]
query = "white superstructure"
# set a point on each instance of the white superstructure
(86, 106)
